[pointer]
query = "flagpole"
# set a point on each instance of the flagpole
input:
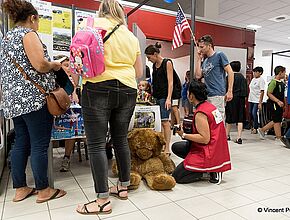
(192, 47)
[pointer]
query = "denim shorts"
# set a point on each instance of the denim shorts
(163, 111)
(185, 103)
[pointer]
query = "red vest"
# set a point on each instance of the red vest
(214, 156)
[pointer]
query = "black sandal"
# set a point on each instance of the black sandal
(85, 210)
(117, 194)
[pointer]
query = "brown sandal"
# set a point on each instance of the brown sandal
(56, 195)
(117, 194)
(85, 210)
(31, 193)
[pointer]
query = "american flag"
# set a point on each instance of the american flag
(180, 26)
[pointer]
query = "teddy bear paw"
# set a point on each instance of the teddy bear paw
(163, 182)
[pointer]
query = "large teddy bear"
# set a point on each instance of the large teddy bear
(147, 161)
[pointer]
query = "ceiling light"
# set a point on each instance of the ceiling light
(280, 18)
(288, 38)
(253, 26)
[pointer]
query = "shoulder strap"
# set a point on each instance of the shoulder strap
(164, 64)
(109, 35)
(26, 77)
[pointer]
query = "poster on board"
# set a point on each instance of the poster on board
(61, 29)
(81, 15)
(44, 10)
(146, 117)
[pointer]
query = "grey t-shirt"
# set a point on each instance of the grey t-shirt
(214, 74)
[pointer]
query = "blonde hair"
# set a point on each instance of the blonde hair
(112, 9)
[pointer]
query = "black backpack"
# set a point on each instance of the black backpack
(177, 87)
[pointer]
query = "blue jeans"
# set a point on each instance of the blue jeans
(32, 137)
(102, 103)
(253, 109)
(287, 135)
(163, 111)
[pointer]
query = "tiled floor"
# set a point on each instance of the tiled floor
(260, 179)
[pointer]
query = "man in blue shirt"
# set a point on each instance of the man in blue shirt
(214, 67)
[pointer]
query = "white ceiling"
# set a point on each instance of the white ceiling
(241, 13)
(244, 12)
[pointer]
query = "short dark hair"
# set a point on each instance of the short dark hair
(151, 49)
(279, 69)
(207, 39)
(236, 66)
(198, 89)
(258, 69)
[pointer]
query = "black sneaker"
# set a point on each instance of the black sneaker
(229, 138)
(285, 141)
(239, 141)
(215, 178)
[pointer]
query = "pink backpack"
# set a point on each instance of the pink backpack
(87, 51)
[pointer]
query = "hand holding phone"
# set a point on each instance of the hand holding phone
(61, 60)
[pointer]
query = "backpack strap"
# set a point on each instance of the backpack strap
(109, 35)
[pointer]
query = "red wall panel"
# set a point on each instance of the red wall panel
(160, 26)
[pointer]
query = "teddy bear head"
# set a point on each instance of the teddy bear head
(145, 143)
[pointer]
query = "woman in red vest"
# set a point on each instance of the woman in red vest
(206, 148)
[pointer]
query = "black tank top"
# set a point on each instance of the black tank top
(160, 82)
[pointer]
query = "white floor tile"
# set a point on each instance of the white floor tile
(147, 199)
(201, 206)
(204, 187)
(69, 213)
(61, 176)
(67, 184)
(1, 208)
(274, 186)
(283, 179)
(10, 193)
(120, 207)
(169, 212)
(28, 206)
(239, 179)
(179, 192)
(133, 215)
(253, 192)
(73, 197)
(251, 212)
(267, 172)
(228, 215)
(85, 181)
(229, 199)
(39, 215)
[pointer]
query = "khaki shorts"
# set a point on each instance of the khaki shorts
(219, 103)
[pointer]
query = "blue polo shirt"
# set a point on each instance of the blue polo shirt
(214, 74)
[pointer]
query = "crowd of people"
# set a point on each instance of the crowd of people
(218, 93)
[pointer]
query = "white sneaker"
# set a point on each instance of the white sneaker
(279, 142)
(261, 134)
(65, 165)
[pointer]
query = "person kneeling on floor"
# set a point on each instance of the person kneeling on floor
(205, 150)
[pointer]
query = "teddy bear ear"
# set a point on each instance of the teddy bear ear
(161, 138)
